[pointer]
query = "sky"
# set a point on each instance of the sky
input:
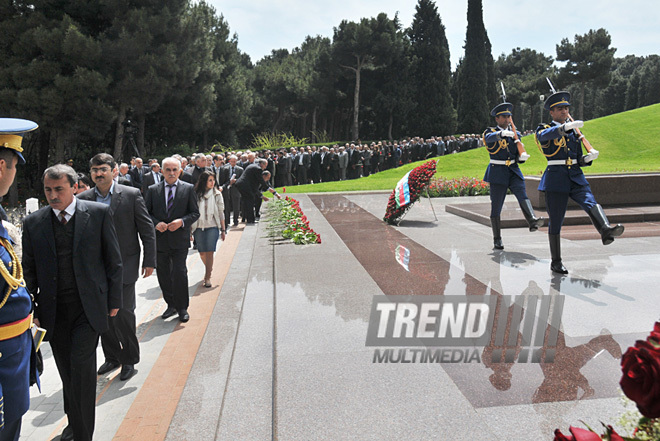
(634, 25)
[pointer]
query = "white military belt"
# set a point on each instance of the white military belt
(569, 161)
(508, 162)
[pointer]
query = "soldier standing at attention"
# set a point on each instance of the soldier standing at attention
(561, 144)
(16, 349)
(506, 152)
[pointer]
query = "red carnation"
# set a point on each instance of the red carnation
(641, 377)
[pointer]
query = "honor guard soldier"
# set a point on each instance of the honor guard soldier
(561, 144)
(506, 152)
(17, 357)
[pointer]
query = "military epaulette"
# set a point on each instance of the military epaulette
(489, 130)
(542, 126)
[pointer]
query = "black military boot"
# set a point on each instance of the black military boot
(607, 231)
(497, 236)
(555, 251)
(533, 221)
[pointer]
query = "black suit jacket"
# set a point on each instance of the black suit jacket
(96, 260)
(250, 182)
(150, 180)
(135, 175)
(131, 218)
(185, 208)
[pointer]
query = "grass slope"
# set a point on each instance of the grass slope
(627, 142)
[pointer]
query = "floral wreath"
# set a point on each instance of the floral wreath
(418, 180)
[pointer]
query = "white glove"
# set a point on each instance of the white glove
(524, 157)
(593, 154)
(506, 134)
(573, 125)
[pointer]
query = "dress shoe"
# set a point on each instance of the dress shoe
(106, 367)
(127, 371)
(169, 312)
(183, 315)
(67, 434)
(236, 224)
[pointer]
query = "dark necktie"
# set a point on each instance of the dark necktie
(170, 199)
(63, 218)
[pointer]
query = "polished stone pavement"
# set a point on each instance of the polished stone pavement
(282, 354)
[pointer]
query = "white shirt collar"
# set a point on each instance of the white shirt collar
(70, 210)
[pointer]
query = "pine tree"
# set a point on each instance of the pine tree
(431, 73)
(474, 92)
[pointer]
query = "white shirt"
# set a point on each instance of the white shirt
(68, 211)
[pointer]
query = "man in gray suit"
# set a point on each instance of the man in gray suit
(130, 216)
(72, 265)
(173, 207)
(227, 177)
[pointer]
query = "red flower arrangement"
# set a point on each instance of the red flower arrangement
(296, 225)
(418, 179)
(641, 383)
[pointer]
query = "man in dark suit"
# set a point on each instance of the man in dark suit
(151, 178)
(227, 177)
(130, 216)
(137, 173)
(249, 185)
(199, 168)
(172, 205)
(73, 305)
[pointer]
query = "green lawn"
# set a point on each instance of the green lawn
(627, 142)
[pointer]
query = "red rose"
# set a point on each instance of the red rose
(561, 437)
(578, 435)
(641, 377)
(613, 435)
(655, 334)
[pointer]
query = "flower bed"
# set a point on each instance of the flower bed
(418, 179)
(442, 187)
(641, 383)
(289, 221)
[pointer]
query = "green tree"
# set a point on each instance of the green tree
(475, 80)
(366, 45)
(588, 61)
(431, 73)
(523, 73)
(140, 54)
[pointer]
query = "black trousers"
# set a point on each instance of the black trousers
(120, 343)
(74, 343)
(232, 203)
(173, 277)
(247, 207)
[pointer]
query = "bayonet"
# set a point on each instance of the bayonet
(552, 88)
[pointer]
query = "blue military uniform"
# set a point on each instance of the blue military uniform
(563, 178)
(503, 173)
(16, 347)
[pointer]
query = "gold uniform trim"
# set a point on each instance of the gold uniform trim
(12, 142)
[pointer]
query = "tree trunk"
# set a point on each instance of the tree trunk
(59, 146)
(140, 135)
(356, 102)
(119, 133)
(205, 140)
(581, 108)
(278, 121)
(390, 124)
(313, 137)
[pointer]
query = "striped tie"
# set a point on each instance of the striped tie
(63, 218)
(170, 200)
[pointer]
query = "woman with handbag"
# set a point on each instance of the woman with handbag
(211, 222)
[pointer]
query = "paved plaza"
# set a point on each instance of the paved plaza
(276, 348)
